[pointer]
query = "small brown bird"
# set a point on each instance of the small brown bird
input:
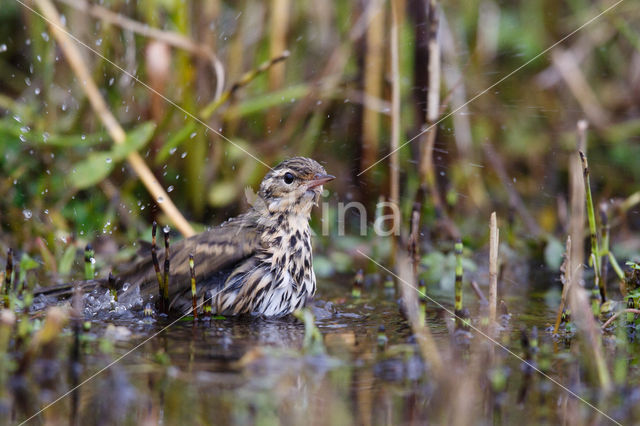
(258, 263)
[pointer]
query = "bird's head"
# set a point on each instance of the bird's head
(293, 186)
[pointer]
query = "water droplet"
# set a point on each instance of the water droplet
(3, 47)
(83, 137)
(160, 200)
(173, 151)
(108, 160)
(27, 214)
(99, 42)
(37, 91)
(184, 154)
(27, 81)
(166, 229)
(170, 188)
(111, 81)
(22, 138)
(193, 135)
(45, 36)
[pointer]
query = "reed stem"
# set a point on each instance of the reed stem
(165, 288)
(112, 286)
(89, 263)
(356, 291)
(156, 265)
(566, 275)
(494, 233)
(194, 292)
(458, 287)
(591, 217)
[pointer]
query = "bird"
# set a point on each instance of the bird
(259, 263)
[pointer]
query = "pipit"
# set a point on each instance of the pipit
(257, 263)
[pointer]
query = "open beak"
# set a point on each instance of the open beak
(320, 180)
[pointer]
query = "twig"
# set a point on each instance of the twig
(578, 301)
(114, 129)
(476, 289)
(427, 168)
(245, 79)
(577, 199)
(494, 233)
(428, 348)
(194, 290)
(458, 286)
(567, 271)
(414, 236)
(394, 162)
(373, 76)
(394, 170)
(8, 271)
(167, 257)
(278, 27)
(617, 314)
(567, 66)
(156, 265)
(591, 216)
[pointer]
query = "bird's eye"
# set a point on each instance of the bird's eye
(288, 178)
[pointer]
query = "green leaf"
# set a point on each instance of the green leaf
(264, 102)
(92, 170)
(135, 140)
(98, 165)
(64, 267)
(175, 140)
(9, 128)
(26, 263)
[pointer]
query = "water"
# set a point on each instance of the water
(240, 370)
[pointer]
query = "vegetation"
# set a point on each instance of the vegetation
(164, 112)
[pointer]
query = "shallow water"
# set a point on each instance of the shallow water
(248, 371)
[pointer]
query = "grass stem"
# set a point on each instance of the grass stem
(194, 291)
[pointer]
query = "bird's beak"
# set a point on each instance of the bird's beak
(320, 180)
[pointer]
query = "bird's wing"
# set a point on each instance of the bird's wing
(215, 252)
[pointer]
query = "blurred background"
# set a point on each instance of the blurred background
(329, 96)
(453, 110)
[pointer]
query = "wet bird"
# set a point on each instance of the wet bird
(258, 263)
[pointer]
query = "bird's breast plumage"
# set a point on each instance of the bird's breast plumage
(279, 278)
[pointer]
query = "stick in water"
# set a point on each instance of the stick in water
(193, 287)
(165, 290)
(156, 264)
(89, 263)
